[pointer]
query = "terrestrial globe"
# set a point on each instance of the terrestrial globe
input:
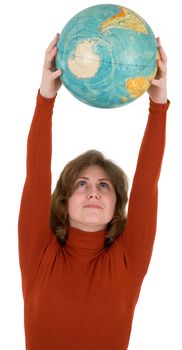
(107, 54)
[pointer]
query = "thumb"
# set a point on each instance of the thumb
(57, 74)
(155, 82)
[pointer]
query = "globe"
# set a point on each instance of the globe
(107, 54)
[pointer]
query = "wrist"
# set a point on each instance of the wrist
(161, 100)
(46, 94)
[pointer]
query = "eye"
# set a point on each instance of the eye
(104, 185)
(81, 183)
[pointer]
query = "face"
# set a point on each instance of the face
(92, 203)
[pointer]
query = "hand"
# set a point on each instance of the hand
(158, 89)
(51, 82)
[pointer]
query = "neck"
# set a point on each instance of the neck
(87, 228)
(85, 242)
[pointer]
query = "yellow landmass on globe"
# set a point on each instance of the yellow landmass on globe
(124, 98)
(125, 19)
(137, 86)
(85, 63)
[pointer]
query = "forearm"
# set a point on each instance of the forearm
(139, 234)
(151, 150)
(39, 145)
(36, 196)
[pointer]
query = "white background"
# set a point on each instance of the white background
(27, 27)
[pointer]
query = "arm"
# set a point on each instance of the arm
(139, 234)
(138, 237)
(33, 225)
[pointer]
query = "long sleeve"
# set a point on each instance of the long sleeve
(33, 224)
(139, 234)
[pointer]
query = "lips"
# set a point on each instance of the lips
(94, 206)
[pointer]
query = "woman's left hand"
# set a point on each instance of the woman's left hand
(158, 88)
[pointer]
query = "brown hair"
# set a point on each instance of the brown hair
(64, 187)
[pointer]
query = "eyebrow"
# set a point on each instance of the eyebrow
(87, 178)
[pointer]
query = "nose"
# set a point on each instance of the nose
(93, 194)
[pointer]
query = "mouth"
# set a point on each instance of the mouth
(93, 206)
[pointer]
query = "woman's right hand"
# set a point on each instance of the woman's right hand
(51, 81)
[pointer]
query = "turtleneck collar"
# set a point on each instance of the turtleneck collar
(91, 241)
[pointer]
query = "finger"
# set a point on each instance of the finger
(158, 41)
(162, 70)
(49, 58)
(53, 43)
(162, 53)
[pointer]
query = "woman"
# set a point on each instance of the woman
(82, 261)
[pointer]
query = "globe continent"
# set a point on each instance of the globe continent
(108, 56)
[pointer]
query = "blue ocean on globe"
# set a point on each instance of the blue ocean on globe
(108, 56)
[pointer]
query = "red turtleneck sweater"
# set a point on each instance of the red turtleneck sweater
(82, 296)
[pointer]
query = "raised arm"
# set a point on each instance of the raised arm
(33, 225)
(138, 238)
